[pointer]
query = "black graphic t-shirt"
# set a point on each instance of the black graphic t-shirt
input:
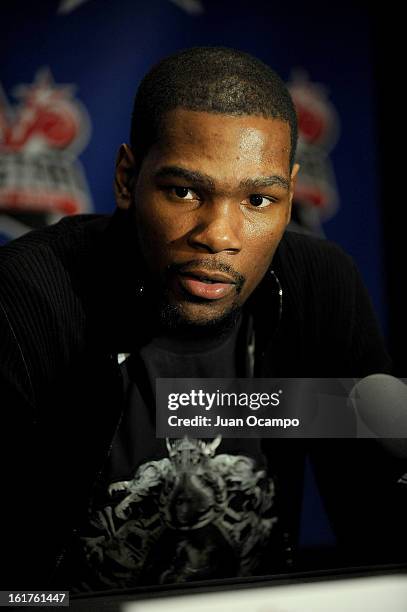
(170, 511)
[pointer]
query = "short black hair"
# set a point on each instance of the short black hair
(211, 79)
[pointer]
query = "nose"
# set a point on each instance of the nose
(217, 229)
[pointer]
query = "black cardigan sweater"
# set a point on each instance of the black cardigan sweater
(67, 307)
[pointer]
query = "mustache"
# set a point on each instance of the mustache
(209, 265)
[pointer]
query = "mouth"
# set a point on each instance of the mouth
(206, 285)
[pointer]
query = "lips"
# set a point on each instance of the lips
(205, 284)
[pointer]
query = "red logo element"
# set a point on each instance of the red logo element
(318, 128)
(39, 143)
(47, 116)
(40, 140)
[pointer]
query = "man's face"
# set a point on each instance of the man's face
(210, 204)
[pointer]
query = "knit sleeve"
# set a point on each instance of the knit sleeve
(20, 448)
(16, 392)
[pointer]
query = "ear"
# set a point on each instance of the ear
(125, 176)
(293, 179)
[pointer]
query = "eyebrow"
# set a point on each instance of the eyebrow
(266, 181)
(199, 178)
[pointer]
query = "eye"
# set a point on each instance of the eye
(183, 193)
(259, 201)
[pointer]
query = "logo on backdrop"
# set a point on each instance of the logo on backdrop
(41, 178)
(316, 193)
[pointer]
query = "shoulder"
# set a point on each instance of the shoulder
(41, 309)
(48, 255)
(57, 239)
(327, 305)
(316, 273)
(300, 254)
(49, 258)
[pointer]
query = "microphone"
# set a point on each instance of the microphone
(380, 403)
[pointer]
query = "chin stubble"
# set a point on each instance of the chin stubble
(172, 318)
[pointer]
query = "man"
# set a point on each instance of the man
(193, 276)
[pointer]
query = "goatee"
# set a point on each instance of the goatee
(172, 319)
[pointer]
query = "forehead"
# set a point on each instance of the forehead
(224, 144)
